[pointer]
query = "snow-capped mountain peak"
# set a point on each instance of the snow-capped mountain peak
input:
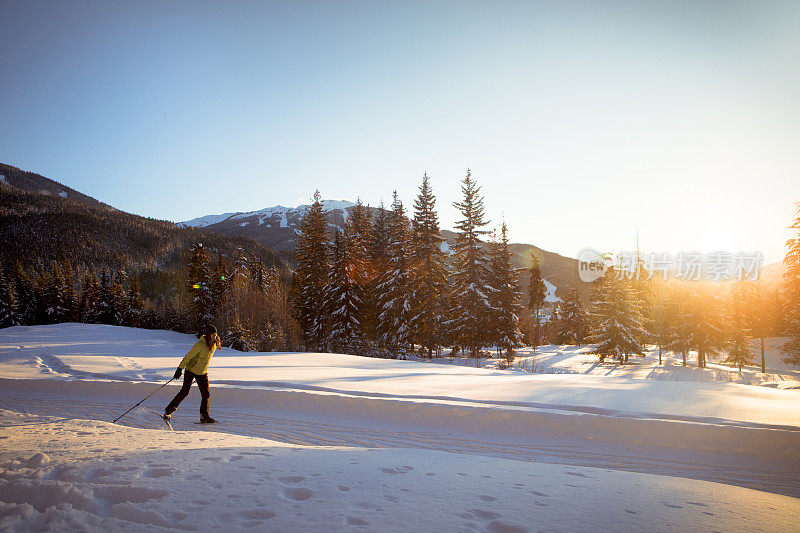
(267, 213)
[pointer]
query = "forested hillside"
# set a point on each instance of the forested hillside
(72, 258)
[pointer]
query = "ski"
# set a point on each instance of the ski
(166, 420)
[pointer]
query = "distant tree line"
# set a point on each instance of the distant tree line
(629, 311)
(247, 301)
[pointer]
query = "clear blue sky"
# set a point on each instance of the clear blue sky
(583, 121)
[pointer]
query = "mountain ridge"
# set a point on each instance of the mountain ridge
(278, 228)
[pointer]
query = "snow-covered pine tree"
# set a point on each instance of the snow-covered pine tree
(342, 299)
(761, 316)
(469, 293)
(739, 350)
(89, 306)
(358, 230)
(394, 288)
(134, 305)
(659, 314)
(551, 327)
(378, 260)
(617, 313)
(678, 324)
(219, 286)
(199, 289)
(312, 272)
(574, 325)
(238, 337)
(504, 297)
(704, 326)
(536, 296)
(791, 291)
(8, 301)
(429, 269)
(27, 303)
(118, 300)
(242, 268)
(356, 234)
(105, 306)
(52, 287)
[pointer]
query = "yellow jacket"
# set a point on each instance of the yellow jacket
(199, 357)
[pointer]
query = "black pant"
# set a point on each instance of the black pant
(202, 384)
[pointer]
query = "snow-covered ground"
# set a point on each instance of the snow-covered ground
(335, 442)
(567, 359)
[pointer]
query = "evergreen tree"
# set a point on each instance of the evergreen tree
(394, 289)
(89, 307)
(791, 290)
(199, 289)
(378, 260)
(617, 313)
(659, 313)
(429, 271)
(118, 301)
(704, 327)
(27, 298)
(312, 272)
(678, 325)
(342, 298)
(469, 293)
(536, 297)
(740, 352)
(356, 236)
(272, 338)
(574, 324)
(761, 317)
(219, 287)
(8, 301)
(70, 300)
(504, 297)
(358, 231)
(52, 293)
(105, 304)
(134, 305)
(238, 337)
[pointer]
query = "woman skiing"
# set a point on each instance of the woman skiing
(196, 364)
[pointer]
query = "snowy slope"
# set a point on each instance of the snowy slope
(267, 213)
(207, 220)
(330, 442)
(110, 352)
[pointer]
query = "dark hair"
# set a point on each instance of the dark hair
(209, 330)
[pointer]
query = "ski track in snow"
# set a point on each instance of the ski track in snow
(300, 429)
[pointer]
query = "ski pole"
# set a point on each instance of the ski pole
(143, 399)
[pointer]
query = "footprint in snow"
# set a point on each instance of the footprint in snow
(297, 494)
(290, 479)
(487, 498)
(257, 514)
(158, 472)
(354, 521)
(397, 470)
(497, 526)
(343, 488)
(579, 474)
(486, 515)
